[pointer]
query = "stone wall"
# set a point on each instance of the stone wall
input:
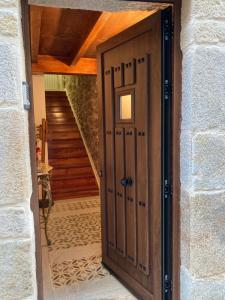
(17, 250)
(82, 94)
(203, 151)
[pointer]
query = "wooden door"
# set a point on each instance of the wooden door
(130, 89)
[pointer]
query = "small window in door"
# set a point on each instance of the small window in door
(125, 105)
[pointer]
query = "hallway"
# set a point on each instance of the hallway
(72, 264)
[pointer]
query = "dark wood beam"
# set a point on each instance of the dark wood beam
(91, 37)
(35, 21)
(50, 65)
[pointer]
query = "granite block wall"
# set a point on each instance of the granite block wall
(203, 150)
(17, 248)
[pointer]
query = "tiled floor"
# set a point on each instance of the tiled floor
(72, 264)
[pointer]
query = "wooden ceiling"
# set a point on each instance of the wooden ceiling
(65, 40)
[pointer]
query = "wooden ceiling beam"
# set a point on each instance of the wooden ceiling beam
(35, 21)
(91, 37)
(50, 65)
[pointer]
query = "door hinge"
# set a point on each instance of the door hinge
(168, 30)
(168, 190)
(167, 284)
(168, 90)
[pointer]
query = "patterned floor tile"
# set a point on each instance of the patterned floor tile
(75, 271)
(72, 231)
(75, 205)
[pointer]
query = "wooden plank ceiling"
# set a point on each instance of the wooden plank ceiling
(64, 41)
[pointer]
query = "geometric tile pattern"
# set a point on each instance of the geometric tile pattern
(74, 230)
(78, 270)
(80, 226)
(77, 205)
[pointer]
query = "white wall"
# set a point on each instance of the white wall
(39, 105)
(54, 82)
(39, 98)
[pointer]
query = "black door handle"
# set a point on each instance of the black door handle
(126, 181)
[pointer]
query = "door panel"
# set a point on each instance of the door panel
(118, 75)
(110, 178)
(132, 156)
(131, 219)
(120, 191)
(129, 72)
(142, 123)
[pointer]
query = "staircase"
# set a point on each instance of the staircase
(72, 173)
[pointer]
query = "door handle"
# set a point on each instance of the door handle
(126, 181)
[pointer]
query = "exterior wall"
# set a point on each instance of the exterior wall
(203, 151)
(17, 258)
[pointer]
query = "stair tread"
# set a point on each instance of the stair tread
(80, 194)
(76, 189)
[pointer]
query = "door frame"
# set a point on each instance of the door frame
(175, 140)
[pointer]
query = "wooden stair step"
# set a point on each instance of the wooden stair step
(67, 121)
(59, 115)
(74, 188)
(60, 108)
(73, 172)
(73, 194)
(62, 128)
(60, 144)
(67, 152)
(69, 177)
(73, 183)
(58, 97)
(72, 162)
(63, 135)
(57, 103)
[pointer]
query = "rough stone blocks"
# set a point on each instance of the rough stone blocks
(8, 23)
(10, 91)
(208, 161)
(201, 289)
(14, 222)
(203, 89)
(16, 280)
(207, 234)
(13, 172)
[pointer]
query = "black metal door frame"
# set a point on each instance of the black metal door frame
(166, 136)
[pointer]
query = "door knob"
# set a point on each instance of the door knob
(126, 181)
